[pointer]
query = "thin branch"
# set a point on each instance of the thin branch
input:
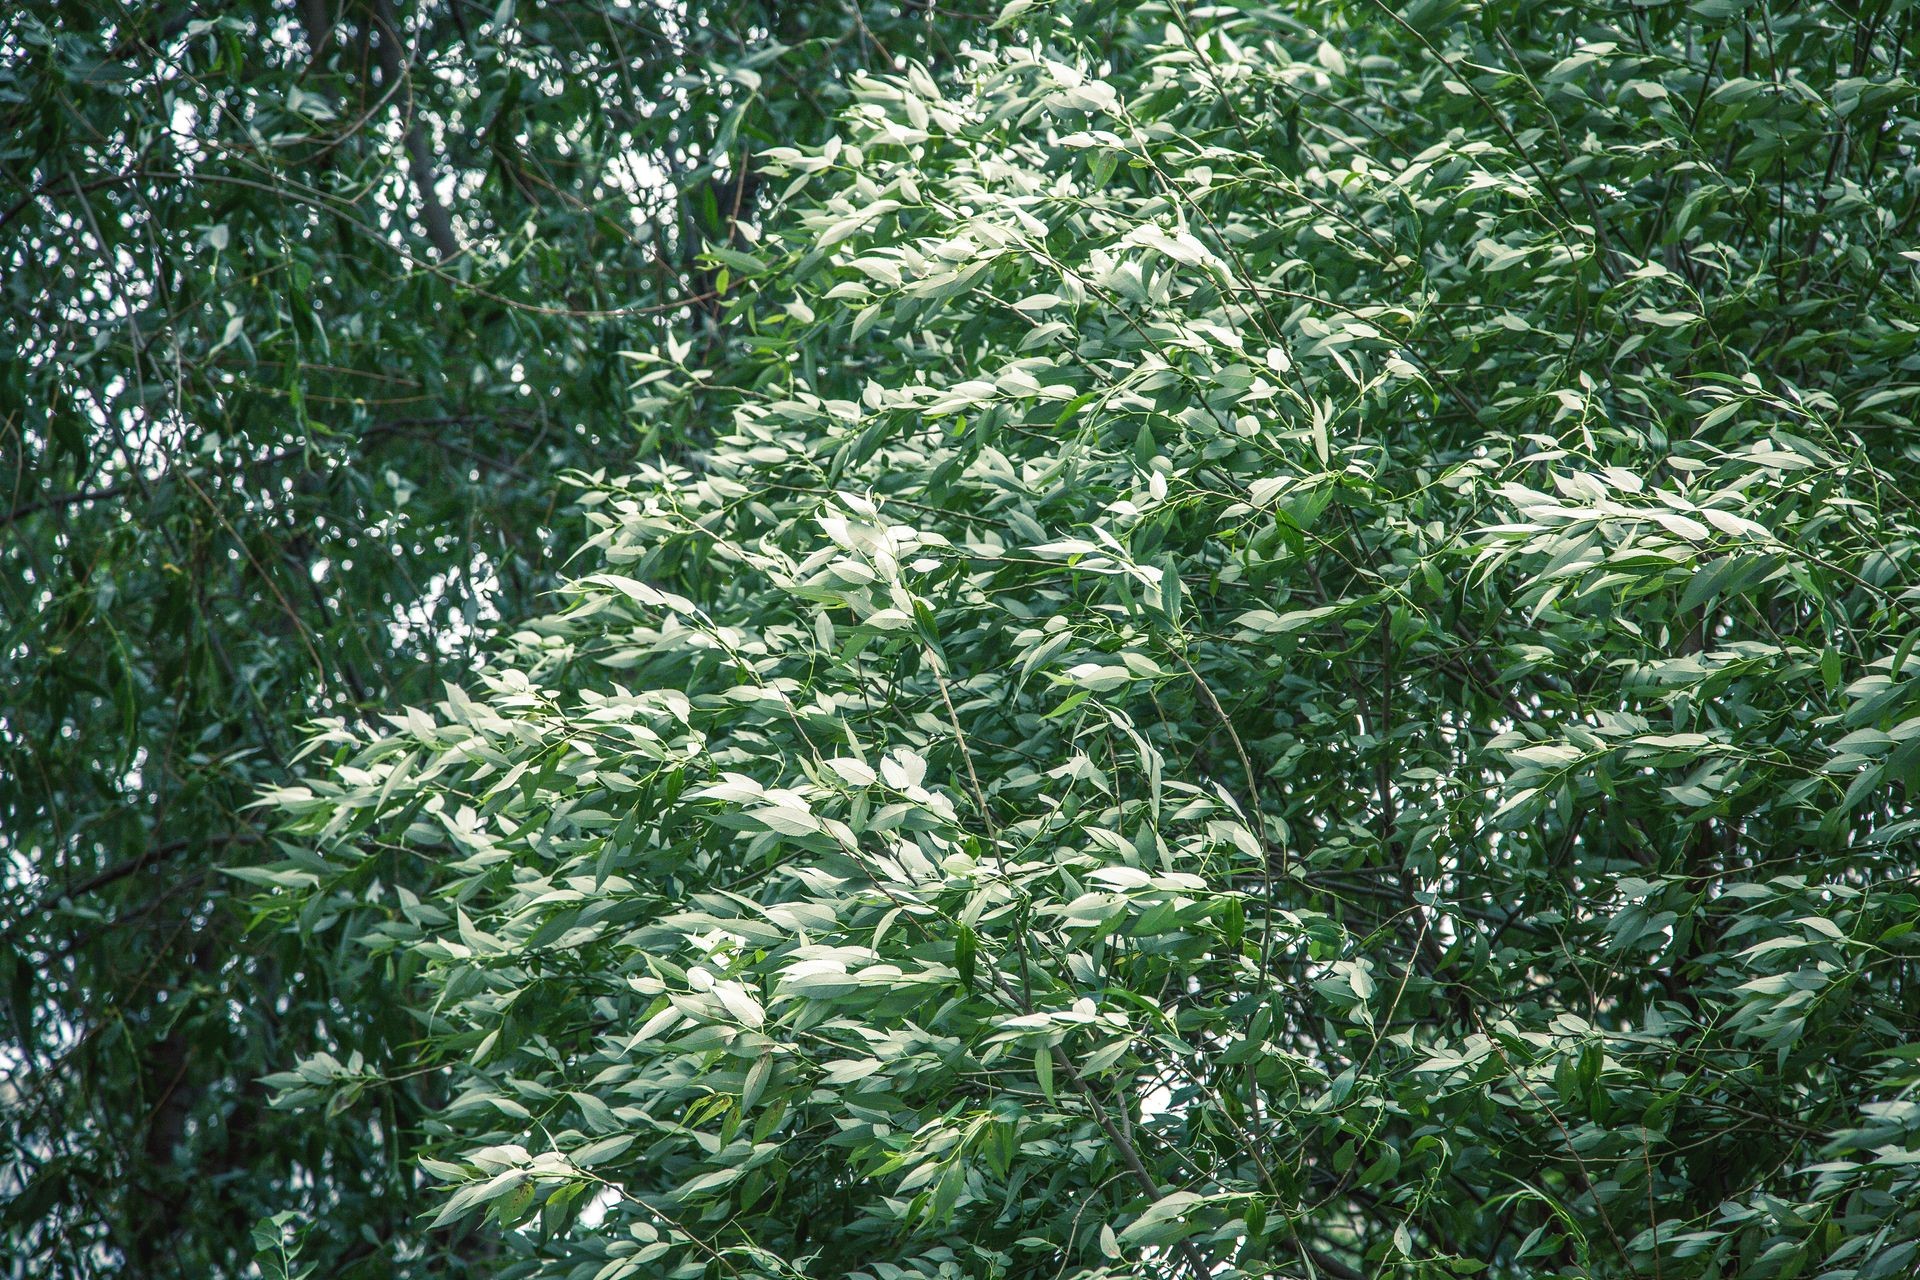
(433, 213)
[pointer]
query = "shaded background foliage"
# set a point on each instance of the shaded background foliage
(305, 304)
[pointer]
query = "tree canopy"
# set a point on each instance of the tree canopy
(305, 306)
(1293, 661)
(1263, 640)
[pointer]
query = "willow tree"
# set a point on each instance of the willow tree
(1295, 657)
(303, 308)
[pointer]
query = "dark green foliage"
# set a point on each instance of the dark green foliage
(1253, 640)
(1296, 662)
(305, 306)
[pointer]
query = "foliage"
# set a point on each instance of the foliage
(1293, 658)
(305, 305)
(1296, 660)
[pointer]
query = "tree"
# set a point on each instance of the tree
(1296, 661)
(1292, 658)
(306, 305)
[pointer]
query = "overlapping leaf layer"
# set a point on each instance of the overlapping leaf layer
(1296, 660)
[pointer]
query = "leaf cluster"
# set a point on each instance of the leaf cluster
(1295, 657)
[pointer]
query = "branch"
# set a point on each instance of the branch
(59, 501)
(439, 222)
(315, 17)
(121, 870)
(392, 426)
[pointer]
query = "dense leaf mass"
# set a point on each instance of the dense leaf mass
(302, 307)
(1294, 658)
